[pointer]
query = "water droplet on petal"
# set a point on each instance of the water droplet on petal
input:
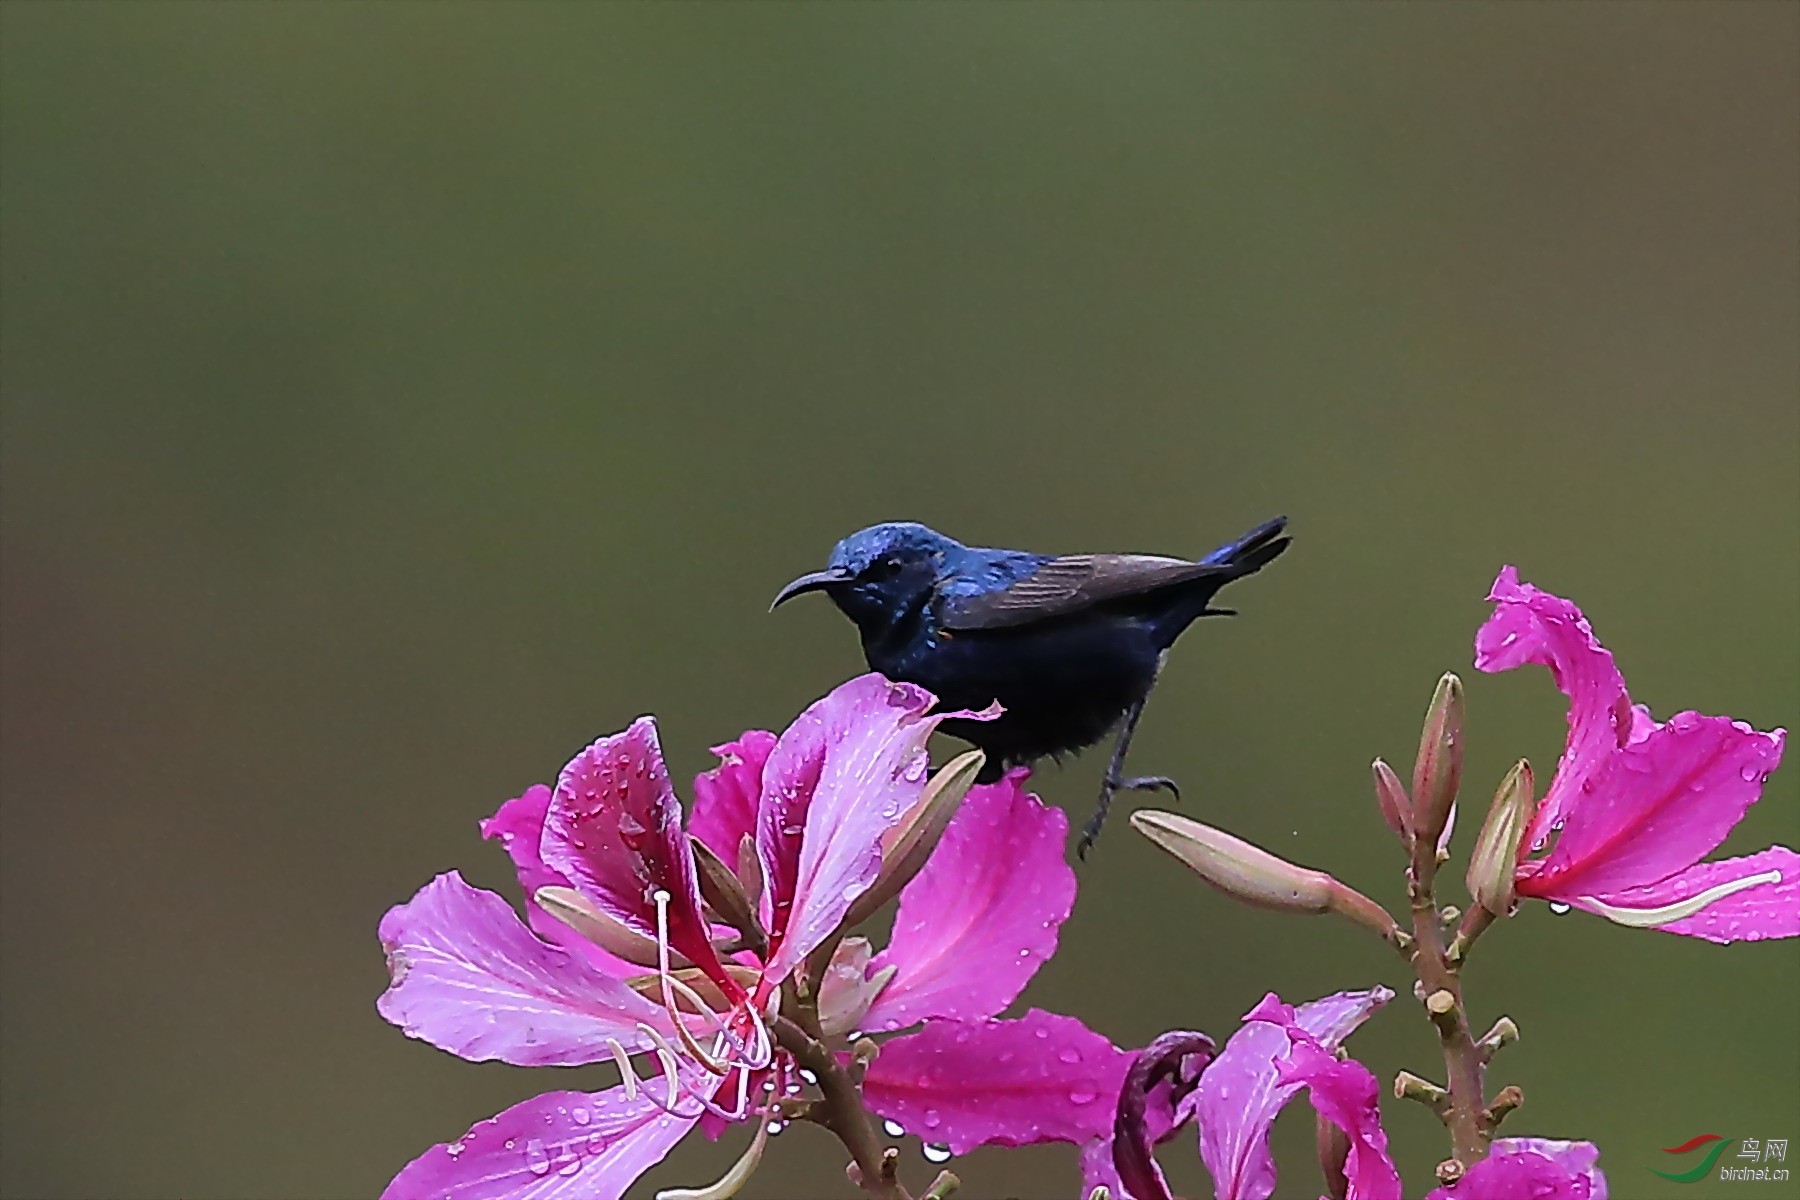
(937, 1152)
(1069, 1054)
(454, 1149)
(893, 1128)
(1081, 1096)
(932, 1119)
(535, 1158)
(580, 1115)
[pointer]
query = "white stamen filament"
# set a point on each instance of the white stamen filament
(627, 1076)
(1651, 918)
(733, 1180)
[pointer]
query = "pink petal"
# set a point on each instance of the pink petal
(1241, 1092)
(558, 1146)
(1539, 1168)
(468, 977)
(1041, 1078)
(1347, 1094)
(842, 775)
(726, 797)
(519, 826)
(614, 829)
(976, 923)
(1768, 909)
(1533, 626)
(1657, 806)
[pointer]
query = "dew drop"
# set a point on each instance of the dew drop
(808, 1075)
(454, 1149)
(1751, 774)
(1081, 1096)
(1558, 907)
(535, 1158)
(1069, 1054)
(937, 1152)
(932, 1119)
(775, 1128)
(893, 1128)
(570, 1165)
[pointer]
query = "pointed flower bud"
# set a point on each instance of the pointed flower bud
(724, 893)
(1254, 876)
(1334, 1153)
(905, 850)
(1391, 797)
(1237, 868)
(1438, 769)
(1496, 856)
(584, 917)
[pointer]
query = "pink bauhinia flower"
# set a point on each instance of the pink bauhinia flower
(1635, 805)
(613, 885)
(1235, 1097)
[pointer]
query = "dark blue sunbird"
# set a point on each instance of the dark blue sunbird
(1070, 645)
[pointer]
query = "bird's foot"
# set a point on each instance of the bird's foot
(1151, 783)
(1090, 832)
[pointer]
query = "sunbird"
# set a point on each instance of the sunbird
(1070, 645)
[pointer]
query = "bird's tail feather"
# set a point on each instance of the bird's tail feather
(1255, 550)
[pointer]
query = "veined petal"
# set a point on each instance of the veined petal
(1346, 1093)
(519, 827)
(726, 797)
(558, 1146)
(976, 923)
(1541, 1168)
(1041, 1078)
(1529, 625)
(841, 775)
(1657, 806)
(614, 829)
(1735, 899)
(1241, 1092)
(468, 977)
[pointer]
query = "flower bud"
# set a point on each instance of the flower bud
(911, 842)
(580, 914)
(846, 990)
(724, 892)
(1240, 870)
(1496, 855)
(1390, 796)
(1438, 768)
(1334, 1152)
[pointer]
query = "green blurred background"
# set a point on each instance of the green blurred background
(397, 397)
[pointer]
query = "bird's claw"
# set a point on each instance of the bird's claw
(1150, 783)
(1090, 832)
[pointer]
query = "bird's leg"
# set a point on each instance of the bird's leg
(1114, 782)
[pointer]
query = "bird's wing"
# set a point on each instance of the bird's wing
(1069, 584)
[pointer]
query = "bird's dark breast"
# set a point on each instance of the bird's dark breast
(1062, 684)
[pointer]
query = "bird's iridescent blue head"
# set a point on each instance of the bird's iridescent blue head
(880, 574)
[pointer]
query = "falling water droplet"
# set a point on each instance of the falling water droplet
(937, 1152)
(808, 1075)
(1558, 907)
(893, 1128)
(535, 1158)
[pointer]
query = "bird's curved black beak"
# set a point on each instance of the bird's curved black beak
(813, 582)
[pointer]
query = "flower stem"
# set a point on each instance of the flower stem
(1464, 1111)
(841, 1108)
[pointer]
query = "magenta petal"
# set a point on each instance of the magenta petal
(468, 977)
(726, 797)
(840, 777)
(1657, 806)
(519, 826)
(614, 829)
(976, 923)
(1532, 626)
(1241, 1092)
(1764, 904)
(558, 1146)
(1347, 1094)
(1538, 1168)
(1041, 1078)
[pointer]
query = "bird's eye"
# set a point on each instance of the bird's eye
(884, 566)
